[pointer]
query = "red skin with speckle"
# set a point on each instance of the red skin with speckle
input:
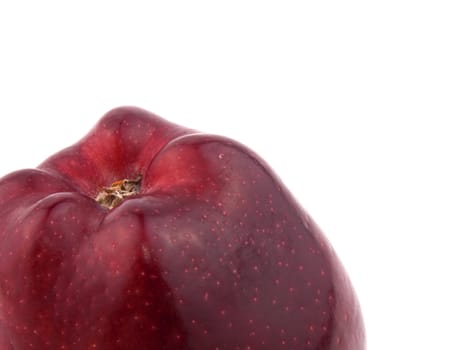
(213, 253)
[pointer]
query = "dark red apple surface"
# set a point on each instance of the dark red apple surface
(149, 235)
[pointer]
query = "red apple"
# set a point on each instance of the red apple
(149, 235)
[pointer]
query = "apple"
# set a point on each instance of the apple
(149, 235)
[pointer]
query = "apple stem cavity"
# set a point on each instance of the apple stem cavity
(110, 197)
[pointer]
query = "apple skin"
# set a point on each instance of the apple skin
(213, 253)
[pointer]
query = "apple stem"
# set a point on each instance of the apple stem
(110, 197)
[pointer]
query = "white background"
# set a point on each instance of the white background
(360, 107)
